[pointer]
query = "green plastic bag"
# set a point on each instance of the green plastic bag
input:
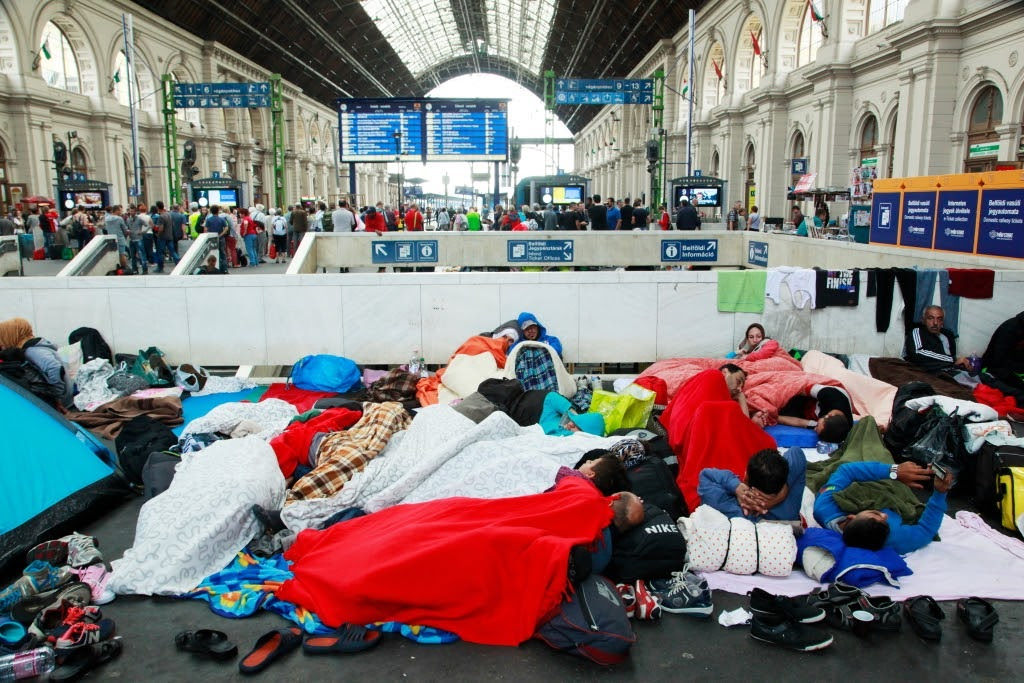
(150, 366)
(630, 410)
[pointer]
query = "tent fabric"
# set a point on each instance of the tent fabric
(50, 471)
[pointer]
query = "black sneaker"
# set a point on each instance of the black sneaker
(788, 634)
(764, 604)
(835, 594)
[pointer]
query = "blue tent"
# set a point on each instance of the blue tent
(51, 471)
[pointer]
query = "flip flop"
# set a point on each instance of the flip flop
(348, 638)
(84, 659)
(206, 642)
(271, 646)
(980, 617)
(924, 615)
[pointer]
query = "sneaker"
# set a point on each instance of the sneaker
(647, 606)
(51, 552)
(28, 609)
(684, 593)
(38, 577)
(763, 603)
(834, 595)
(82, 633)
(789, 634)
(97, 577)
(82, 550)
(628, 597)
(54, 622)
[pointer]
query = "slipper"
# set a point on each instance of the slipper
(980, 617)
(12, 634)
(924, 615)
(80, 661)
(206, 642)
(347, 638)
(269, 647)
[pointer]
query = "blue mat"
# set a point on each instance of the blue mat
(198, 406)
(786, 436)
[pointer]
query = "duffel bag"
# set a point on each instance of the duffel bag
(1011, 496)
(987, 463)
(324, 372)
(591, 622)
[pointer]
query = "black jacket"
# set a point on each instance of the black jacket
(1006, 348)
(687, 218)
(931, 352)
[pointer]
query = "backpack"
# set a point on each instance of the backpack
(139, 437)
(389, 219)
(280, 226)
(906, 422)
(652, 550)
(652, 480)
(93, 345)
(591, 622)
(324, 372)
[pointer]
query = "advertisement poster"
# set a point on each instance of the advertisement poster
(956, 216)
(917, 220)
(885, 211)
(1001, 230)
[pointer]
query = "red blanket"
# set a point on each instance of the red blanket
(292, 445)
(487, 570)
(302, 399)
(706, 428)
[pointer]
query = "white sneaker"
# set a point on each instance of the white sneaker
(82, 550)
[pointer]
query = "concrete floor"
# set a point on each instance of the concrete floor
(676, 648)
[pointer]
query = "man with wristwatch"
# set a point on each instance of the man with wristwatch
(875, 529)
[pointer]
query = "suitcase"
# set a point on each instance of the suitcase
(1011, 496)
(988, 462)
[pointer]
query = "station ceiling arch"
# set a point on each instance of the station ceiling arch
(403, 48)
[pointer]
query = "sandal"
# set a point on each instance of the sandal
(347, 638)
(834, 595)
(980, 617)
(271, 646)
(925, 615)
(886, 613)
(84, 659)
(206, 642)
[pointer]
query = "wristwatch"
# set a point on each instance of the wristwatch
(892, 471)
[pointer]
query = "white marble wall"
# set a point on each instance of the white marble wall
(380, 318)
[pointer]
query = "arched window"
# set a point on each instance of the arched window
(144, 87)
(869, 141)
(189, 116)
(881, 13)
(751, 160)
(58, 62)
(256, 123)
(749, 65)
(714, 87)
(714, 164)
(809, 41)
(982, 138)
(300, 136)
(79, 164)
(892, 146)
(798, 145)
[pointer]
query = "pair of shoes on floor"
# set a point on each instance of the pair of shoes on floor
(74, 550)
(925, 617)
(38, 577)
(683, 593)
(64, 625)
(639, 601)
(74, 664)
(866, 614)
(75, 592)
(783, 621)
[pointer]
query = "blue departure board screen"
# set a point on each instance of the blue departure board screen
(369, 127)
(466, 130)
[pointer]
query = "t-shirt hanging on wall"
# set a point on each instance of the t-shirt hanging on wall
(837, 288)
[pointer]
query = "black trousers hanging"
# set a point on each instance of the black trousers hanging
(881, 283)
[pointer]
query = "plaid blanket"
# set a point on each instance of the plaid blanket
(397, 385)
(342, 454)
(536, 370)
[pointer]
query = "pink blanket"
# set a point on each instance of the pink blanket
(675, 371)
(870, 396)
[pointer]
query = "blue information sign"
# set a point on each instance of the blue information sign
(404, 251)
(917, 220)
(1001, 230)
(221, 95)
(956, 216)
(757, 254)
(543, 251)
(604, 91)
(798, 166)
(466, 130)
(885, 213)
(689, 250)
(381, 130)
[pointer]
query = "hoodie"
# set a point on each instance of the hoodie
(527, 318)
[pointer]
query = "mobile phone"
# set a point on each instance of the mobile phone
(939, 470)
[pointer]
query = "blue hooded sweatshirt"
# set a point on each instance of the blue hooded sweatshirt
(526, 318)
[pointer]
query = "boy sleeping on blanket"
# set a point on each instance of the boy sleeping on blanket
(772, 488)
(825, 409)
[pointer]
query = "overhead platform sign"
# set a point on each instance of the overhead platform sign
(221, 95)
(604, 91)
(381, 130)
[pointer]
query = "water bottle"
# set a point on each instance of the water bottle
(414, 362)
(27, 664)
(975, 363)
(825, 448)
(595, 383)
(423, 367)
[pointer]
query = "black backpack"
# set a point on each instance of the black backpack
(591, 623)
(141, 436)
(93, 344)
(652, 480)
(906, 424)
(652, 550)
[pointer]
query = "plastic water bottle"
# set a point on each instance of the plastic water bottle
(595, 383)
(414, 362)
(423, 367)
(825, 448)
(975, 363)
(27, 664)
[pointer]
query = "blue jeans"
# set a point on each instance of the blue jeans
(138, 254)
(250, 248)
(163, 244)
(222, 253)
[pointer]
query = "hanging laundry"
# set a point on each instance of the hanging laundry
(836, 288)
(972, 283)
(741, 291)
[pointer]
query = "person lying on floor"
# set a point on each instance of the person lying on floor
(19, 342)
(772, 488)
(826, 409)
(552, 411)
(877, 529)
(600, 467)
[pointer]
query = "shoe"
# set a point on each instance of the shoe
(348, 638)
(82, 550)
(684, 593)
(925, 615)
(82, 633)
(763, 603)
(835, 594)
(886, 613)
(53, 623)
(270, 647)
(38, 577)
(647, 606)
(628, 597)
(51, 552)
(206, 642)
(28, 609)
(97, 577)
(789, 634)
(980, 617)
(78, 662)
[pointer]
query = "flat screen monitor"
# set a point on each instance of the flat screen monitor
(561, 194)
(90, 200)
(698, 196)
(224, 197)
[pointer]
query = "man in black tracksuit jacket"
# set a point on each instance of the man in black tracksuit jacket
(932, 347)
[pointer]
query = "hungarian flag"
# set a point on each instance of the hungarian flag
(757, 46)
(45, 49)
(816, 14)
(718, 69)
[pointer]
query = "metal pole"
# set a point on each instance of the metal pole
(170, 138)
(277, 134)
(497, 182)
(128, 33)
(352, 180)
(689, 122)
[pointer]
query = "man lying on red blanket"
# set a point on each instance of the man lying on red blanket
(708, 427)
(487, 570)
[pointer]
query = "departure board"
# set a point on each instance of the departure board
(381, 130)
(466, 130)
